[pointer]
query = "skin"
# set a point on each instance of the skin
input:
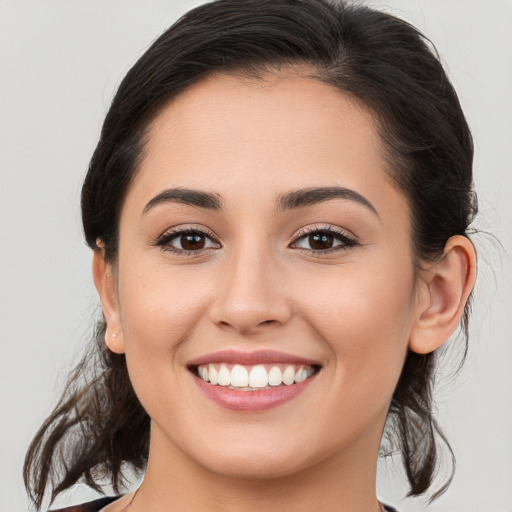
(259, 284)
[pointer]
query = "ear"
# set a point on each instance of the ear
(105, 281)
(443, 292)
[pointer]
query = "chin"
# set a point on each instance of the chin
(264, 466)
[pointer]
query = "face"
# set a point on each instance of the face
(262, 240)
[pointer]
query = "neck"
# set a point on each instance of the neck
(343, 482)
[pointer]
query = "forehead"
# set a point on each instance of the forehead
(285, 112)
(239, 137)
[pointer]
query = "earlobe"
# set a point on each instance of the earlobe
(114, 340)
(105, 282)
(444, 291)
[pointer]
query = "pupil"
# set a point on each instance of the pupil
(320, 241)
(191, 242)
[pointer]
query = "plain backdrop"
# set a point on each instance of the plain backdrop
(60, 62)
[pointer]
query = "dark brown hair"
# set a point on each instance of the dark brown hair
(99, 428)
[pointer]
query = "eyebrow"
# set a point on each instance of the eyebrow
(186, 196)
(287, 201)
(314, 195)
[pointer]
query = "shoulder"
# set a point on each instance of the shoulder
(91, 506)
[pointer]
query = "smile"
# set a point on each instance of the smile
(254, 378)
(252, 382)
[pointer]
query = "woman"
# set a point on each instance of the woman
(278, 207)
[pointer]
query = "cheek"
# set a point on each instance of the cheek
(365, 317)
(160, 309)
(159, 306)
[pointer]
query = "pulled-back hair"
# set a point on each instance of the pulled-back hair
(99, 429)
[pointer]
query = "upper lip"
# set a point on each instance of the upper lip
(251, 358)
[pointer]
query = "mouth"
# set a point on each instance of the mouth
(254, 381)
(253, 377)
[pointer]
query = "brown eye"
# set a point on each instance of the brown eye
(324, 240)
(187, 241)
(321, 241)
(192, 242)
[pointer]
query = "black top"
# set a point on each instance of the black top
(97, 505)
(91, 506)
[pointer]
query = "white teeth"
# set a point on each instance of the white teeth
(301, 375)
(275, 377)
(288, 375)
(239, 376)
(224, 376)
(258, 378)
(212, 371)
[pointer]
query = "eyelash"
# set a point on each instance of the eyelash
(164, 241)
(347, 241)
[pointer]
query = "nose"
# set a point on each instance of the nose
(251, 295)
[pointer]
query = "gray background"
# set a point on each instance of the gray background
(60, 61)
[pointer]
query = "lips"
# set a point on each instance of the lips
(252, 381)
(252, 358)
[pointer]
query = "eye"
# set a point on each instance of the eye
(323, 240)
(186, 241)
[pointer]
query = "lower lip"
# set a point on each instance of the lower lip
(252, 400)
